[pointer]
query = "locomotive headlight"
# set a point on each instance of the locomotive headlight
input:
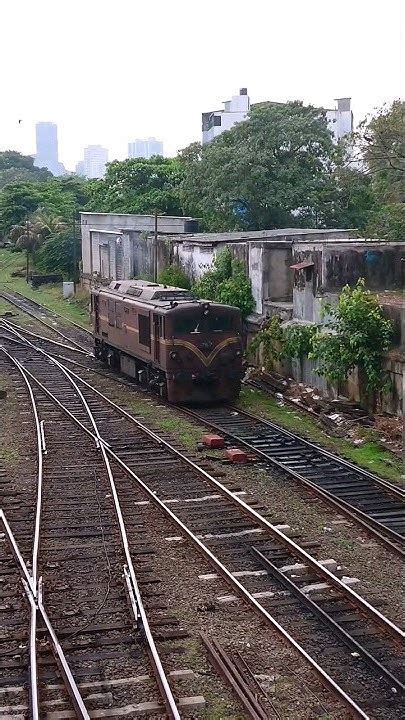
(173, 355)
(238, 353)
(206, 308)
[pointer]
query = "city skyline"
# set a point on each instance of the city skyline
(327, 60)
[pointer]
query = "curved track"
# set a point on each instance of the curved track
(238, 540)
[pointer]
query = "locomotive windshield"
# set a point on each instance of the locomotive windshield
(192, 323)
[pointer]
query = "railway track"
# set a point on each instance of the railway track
(73, 333)
(346, 642)
(376, 504)
(72, 553)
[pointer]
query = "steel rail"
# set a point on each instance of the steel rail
(355, 710)
(40, 320)
(34, 703)
(233, 677)
(163, 683)
(52, 312)
(342, 461)
(263, 522)
(363, 604)
(34, 594)
(316, 415)
(390, 539)
(241, 591)
(42, 337)
(345, 636)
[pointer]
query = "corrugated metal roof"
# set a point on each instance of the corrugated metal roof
(302, 265)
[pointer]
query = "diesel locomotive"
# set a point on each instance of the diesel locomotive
(184, 349)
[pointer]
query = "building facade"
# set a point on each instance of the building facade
(120, 246)
(340, 119)
(145, 148)
(47, 148)
(216, 122)
(94, 162)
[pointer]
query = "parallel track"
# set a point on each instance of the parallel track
(378, 505)
(375, 504)
(225, 528)
(76, 335)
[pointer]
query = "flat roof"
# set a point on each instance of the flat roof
(256, 235)
(139, 215)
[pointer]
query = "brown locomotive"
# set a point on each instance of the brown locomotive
(186, 350)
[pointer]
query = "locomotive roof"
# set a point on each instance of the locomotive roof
(151, 293)
(154, 293)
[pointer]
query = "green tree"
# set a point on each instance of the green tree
(17, 203)
(174, 275)
(57, 254)
(226, 283)
(62, 197)
(388, 222)
(15, 167)
(382, 141)
(269, 171)
(350, 201)
(26, 237)
(139, 186)
(360, 336)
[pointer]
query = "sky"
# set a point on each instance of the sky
(109, 72)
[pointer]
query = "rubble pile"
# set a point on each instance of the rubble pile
(340, 417)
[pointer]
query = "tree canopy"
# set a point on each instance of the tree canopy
(382, 141)
(15, 167)
(269, 171)
(139, 185)
(62, 196)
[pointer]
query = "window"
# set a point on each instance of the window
(185, 324)
(111, 313)
(199, 323)
(219, 323)
(144, 330)
(217, 120)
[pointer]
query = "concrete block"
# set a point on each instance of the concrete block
(213, 441)
(236, 455)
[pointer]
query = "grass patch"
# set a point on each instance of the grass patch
(187, 433)
(75, 308)
(371, 455)
(9, 456)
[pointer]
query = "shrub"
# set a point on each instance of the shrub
(226, 283)
(174, 275)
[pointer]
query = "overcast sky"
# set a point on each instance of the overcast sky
(109, 72)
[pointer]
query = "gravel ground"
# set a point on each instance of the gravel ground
(233, 625)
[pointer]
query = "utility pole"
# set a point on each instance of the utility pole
(155, 248)
(74, 251)
(27, 252)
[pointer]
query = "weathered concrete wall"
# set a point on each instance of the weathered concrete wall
(107, 228)
(379, 265)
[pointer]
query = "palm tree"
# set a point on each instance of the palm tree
(31, 234)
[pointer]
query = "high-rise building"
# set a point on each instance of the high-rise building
(94, 162)
(47, 148)
(145, 148)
